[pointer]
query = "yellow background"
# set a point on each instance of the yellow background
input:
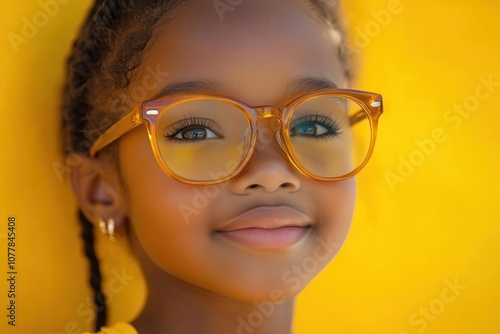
(413, 236)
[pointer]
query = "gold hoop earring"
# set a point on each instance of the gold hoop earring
(108, 228)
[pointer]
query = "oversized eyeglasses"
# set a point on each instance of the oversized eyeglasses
(328, 134)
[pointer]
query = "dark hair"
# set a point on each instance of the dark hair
(101, 66)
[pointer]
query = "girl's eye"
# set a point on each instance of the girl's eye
(192, 130)
(315, 126)
(195, 133)
(308, 129)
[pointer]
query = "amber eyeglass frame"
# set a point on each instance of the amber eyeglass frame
(149, 112)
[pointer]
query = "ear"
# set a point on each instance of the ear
(98, 190)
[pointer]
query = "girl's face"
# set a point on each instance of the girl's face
(253, 52)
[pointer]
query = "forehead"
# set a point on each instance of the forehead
(260, 44)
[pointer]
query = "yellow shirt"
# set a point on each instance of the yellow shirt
(119, 328)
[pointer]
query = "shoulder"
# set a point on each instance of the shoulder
(119, 328)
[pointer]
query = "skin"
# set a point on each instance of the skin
(259, 48)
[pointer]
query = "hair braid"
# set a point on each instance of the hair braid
(89, 51)
(95, 277)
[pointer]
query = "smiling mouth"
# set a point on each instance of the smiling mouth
(267, 227)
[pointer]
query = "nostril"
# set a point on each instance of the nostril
(287, 185)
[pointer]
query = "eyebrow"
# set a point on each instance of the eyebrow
(299, 86)
(195, 86)
(294, 87)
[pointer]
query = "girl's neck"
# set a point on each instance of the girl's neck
(181, 308)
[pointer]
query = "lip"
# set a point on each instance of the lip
(267, 227)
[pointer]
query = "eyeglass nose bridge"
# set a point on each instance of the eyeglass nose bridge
(275, 112)
(268, 111)
(275, 125)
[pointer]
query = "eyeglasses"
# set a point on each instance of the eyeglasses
(328, 134)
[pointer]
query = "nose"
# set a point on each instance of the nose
(269, 168)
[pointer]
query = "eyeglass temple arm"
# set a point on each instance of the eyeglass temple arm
(121, 127)
(357, 117)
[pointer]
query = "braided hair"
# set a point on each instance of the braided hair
(101, 66)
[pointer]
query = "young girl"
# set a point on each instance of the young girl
(222, 148)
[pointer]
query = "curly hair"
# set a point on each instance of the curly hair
(101, 65)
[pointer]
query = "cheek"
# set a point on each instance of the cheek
(159, 208)
(336, 205)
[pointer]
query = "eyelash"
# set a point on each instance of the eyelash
(173, 130)
(332, 126)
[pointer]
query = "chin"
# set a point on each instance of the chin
(266, 294)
